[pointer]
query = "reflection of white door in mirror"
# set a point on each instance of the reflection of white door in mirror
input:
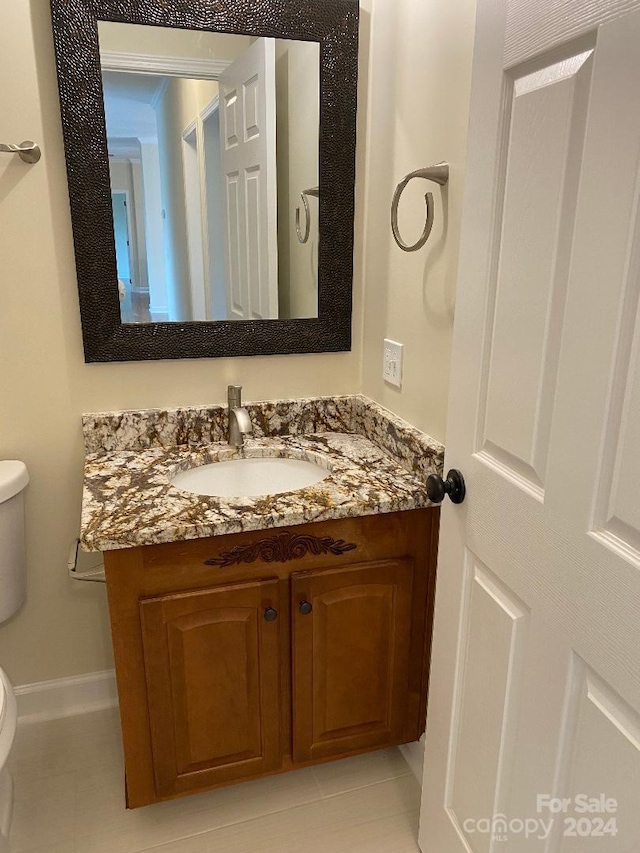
(248, 165)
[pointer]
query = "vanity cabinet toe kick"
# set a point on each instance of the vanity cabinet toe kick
(249, 654)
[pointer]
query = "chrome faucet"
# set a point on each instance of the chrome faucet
(239, 421)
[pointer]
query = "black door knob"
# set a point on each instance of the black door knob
(305, 607)
(453, 486)
(270, 614)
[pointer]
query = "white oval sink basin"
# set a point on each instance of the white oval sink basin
(251, 477)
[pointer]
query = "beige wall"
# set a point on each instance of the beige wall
(416, 100)
(298, 116)
(181, 105)
(419, 92)
(163, 41)
(45, 384)
(170, 127)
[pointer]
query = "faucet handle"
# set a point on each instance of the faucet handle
(234, 396)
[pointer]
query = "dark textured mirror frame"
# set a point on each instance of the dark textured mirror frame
(332, 23)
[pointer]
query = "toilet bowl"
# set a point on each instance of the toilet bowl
(8, 719)
(13, 480)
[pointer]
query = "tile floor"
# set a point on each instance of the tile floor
(69, 799)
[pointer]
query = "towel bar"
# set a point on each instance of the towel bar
(27, 151)
(314, 191)
(438, 173)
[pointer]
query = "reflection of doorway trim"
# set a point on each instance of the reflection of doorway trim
(170, 66)
(197, 212)
(214, 226)
(211, 107)
(193, 193)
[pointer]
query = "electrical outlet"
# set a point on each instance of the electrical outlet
(392, 363)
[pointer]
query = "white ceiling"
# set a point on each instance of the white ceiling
(128, 104)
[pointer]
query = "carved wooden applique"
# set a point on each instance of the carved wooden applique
(281, 548)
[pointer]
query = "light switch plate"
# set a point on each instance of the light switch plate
(392, 363)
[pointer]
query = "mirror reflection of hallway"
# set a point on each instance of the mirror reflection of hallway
(134, 301)
(211, 138)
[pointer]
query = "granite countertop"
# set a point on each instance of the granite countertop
(377, 464)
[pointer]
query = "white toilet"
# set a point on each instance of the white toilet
(13, 479)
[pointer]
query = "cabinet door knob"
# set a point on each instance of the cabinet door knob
(306, 607)
(270, 614)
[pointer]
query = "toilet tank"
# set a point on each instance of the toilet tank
(13, 574)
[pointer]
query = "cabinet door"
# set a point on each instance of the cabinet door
(212, 670)
(350, 657)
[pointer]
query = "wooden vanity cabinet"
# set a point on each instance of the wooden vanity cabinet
(212, 667)
(248, 654)
(351, 657)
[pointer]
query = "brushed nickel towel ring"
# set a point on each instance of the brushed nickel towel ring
(438, 173)
(314, 191)
(27, 151)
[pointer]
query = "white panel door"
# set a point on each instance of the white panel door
(535, 688)
(248, 164)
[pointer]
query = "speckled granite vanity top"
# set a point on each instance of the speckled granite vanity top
(378, 464)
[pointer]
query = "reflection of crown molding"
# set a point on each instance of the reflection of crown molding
(171, 66)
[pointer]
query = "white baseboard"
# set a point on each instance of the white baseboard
(96, 691)
(413, 754)
(66, 697)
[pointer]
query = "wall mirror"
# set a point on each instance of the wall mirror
(210, 154)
